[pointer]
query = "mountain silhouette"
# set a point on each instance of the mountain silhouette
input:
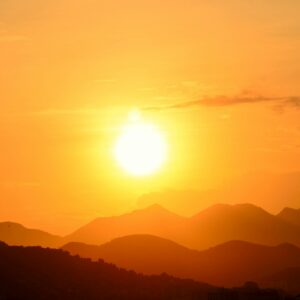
(38, 273)
(215, 225)
(272, 191)
(222, 222)
(143, 253)
(290, 215)
(154, 220)
(229, 264)
(17, 234)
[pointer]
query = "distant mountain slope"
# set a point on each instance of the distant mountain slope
(290, 215)
(229, 264)
(264, 189)
(143, 253)
(37, 273)
(153, 220)
(17, 234)
(215, 225)
(221, 223)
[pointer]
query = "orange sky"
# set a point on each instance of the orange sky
(72, 70)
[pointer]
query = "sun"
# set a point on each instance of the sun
(141, 148)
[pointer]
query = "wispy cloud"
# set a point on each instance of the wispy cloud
(215, 101)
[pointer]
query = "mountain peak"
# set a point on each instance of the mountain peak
(290, 215)
(224, 209)
(155, 210)
(251, 208)
(288, 246)
(11, 225)
(288, 210)
(142, 240)
(237, 246)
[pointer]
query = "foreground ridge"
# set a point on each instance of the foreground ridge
(37, 273)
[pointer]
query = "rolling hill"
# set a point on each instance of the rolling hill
(154, 220)
(290, 215)
(17, 234)
(37, 273)
(229, 264)
(222, 222)
(215, 225)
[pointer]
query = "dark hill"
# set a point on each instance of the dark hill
(38, 273)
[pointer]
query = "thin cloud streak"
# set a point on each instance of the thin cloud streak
(217, 101)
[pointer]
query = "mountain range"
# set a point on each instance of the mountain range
(272, 191)
(232, 244)
(229, 264)
(215, 225)
(38, 273)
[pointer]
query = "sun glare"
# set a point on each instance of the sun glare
(141, 148)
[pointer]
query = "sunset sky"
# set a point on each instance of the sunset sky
(220, 79)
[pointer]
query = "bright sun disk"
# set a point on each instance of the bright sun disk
(141, 148)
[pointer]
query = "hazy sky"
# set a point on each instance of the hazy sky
(221, 79)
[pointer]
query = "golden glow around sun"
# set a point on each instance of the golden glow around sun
(141, 148)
